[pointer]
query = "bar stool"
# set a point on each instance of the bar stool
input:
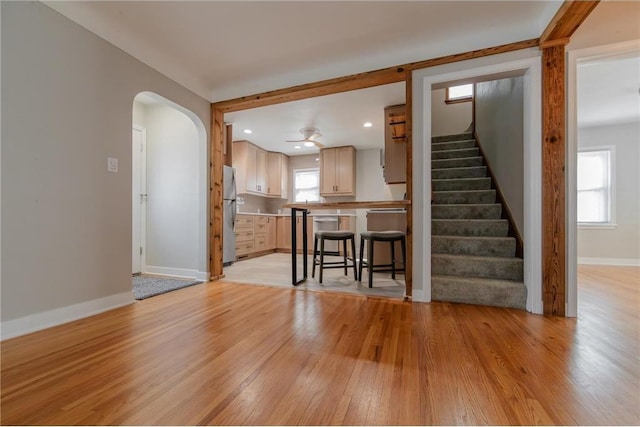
(381, 236)
(335, 236)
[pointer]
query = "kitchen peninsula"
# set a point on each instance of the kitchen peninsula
(304, 208)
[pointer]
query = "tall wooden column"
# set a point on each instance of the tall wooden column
(215, 193)
(553, 185)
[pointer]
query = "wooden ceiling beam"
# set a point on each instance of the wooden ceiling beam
(358, 81)
(566, 21)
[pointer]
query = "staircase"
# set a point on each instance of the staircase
(473, 260)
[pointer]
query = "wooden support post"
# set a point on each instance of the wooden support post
(215, 193)
(553, 185)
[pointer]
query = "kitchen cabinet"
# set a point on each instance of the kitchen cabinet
(395, 145)
(346, 223)
(271, 232)
(260, 233)
(244, 235)
(250, 163)
(284, 234)
(338, 171)
(277, 175)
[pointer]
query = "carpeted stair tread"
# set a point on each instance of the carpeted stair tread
(477, 266)
(489, 246)
(466, 211)
(453, 145)
(464, 197)
(453, 137)
(470, 227)
(461, 162)
(472, 290)
(464, 172)
(461, 184)
(455, 154)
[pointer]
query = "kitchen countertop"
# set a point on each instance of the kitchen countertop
(289, 214)
(352, 205)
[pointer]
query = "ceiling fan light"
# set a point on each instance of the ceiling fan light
(309, 144)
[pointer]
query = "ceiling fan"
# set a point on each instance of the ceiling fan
(309, 134)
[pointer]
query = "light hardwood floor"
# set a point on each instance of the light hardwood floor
(221, 353)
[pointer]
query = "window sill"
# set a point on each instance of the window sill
(586, 226)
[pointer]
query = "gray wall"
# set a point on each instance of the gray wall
(67, 100)
(622, 242)
(499, 126)
(449, 119)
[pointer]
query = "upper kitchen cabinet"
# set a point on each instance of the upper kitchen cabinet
(277, 175)
(260, 172)
(250, 163)
(395, 145)
(338, 171)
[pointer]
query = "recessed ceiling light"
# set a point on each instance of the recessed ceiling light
(368, 124)
(297, 147)
(248, 131)
(309, 144)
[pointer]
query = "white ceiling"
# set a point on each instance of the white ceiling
(608, 91)
(227, 49)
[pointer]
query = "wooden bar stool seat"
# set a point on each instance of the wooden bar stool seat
(343, 236)
(381, 236)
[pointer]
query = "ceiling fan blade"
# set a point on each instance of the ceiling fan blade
(299, 140)
(318, 144)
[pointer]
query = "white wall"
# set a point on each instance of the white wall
(66, 222)
(499, 126)
(449, 119)
(622, 243)
(172, 188)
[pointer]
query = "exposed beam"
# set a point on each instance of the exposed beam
(553, 181)
(358, 81)
(566, 21)
(215, 193)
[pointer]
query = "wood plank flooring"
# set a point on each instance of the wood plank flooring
(221, 353)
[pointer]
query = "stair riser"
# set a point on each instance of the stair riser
(466, 211)
(454, 173)
(503, 269)
(456, 163)
(498, 295)
(464, 227)
(455, 154)
(477, 247)
(455, 145)
(464, 197)
(456, 137)
(467, 184)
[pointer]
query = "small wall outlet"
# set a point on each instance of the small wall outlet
(112, 164)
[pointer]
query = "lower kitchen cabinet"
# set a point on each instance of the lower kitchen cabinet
(284, 234)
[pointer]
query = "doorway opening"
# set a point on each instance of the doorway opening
(169, 191)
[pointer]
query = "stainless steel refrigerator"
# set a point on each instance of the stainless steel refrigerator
(229, 216)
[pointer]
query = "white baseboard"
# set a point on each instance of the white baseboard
(627, 262)
(35, 322)
(203, 275)
(419, 296)
(183, 273)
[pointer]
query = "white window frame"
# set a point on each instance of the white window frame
(611, 224)
(294, 189)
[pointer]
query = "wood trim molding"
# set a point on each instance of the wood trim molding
(359, 81)
(408, 274)
(566, 21)
(553, 181)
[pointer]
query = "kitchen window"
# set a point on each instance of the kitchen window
(595, 188)
(306, 185)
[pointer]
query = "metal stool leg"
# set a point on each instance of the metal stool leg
(321, 257)
(344, 246)
(361, 259)
(353, 256)
(393, 259)
(370, 261)
(315, 254)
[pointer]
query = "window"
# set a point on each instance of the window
(306, 185)
(462, 93)
(595, 187)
